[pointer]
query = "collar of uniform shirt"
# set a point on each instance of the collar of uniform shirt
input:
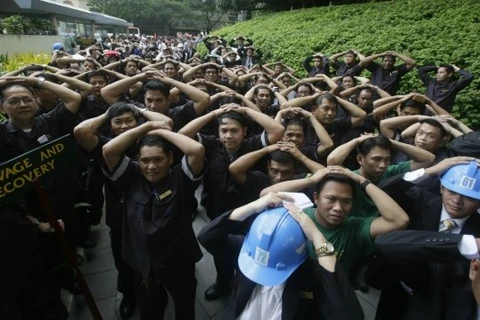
(459, 222)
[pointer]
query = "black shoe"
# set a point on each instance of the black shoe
(88, 244)
(216, 291)
(127, 307)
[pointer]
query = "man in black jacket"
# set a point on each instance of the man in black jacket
(429, 285)
(443, 89)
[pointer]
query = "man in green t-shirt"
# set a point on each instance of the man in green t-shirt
(351, 237)
(374, 157)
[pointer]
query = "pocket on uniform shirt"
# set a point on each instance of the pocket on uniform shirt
(162, 207)
(136, 206)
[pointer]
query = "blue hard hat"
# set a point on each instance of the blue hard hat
(273, 249)
(463, 179)
(57, 46)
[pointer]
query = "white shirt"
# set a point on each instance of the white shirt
(467, 246)
(265, 303)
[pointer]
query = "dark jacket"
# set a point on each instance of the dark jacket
(429, 263)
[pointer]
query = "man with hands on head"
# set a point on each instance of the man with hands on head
(159, 242)
(321, 64)
(351, 236)
(430, 261)
(157, 96)
(374, 157)
(120, 118)
(220, 191)
(386, 75)
(298, 124)
(304, 287)
(212, 73)
(444, 89)
(324, 109)
(406, 105)
(351, 62)
(283, 157)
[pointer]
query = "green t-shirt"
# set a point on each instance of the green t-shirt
(362, 205)
(351, 239)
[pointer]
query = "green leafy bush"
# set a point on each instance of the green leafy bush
(18, 24)
(17, 61)
(431, 31)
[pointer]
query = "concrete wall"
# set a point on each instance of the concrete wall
(11, 44)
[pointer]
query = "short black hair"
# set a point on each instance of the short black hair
(336, 177)
(211, 66)
(351, 52)
(157, 85)
(359, 90)
(170, 62)
(304, 84)
(413, 104)
(348, 75)
(134, 61)
(260, 87)
(366, 146)
(448, 67)
(282, 157)
(262, 75)
(296, 122)
(435, 123)
(391, 56)
(240, 118)
(119, 108)
(155, 141)
(97, 73)
(327, 96)
(33, 69)
(26, 86)
(48, 76)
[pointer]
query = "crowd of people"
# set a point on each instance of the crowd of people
(394, 207)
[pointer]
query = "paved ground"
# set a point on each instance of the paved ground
(101, 276)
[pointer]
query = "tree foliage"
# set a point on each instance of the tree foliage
(152, 16)
(207, 12)
(431, 31)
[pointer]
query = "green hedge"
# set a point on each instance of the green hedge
(431, 31)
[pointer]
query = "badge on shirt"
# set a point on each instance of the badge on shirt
(165, 194)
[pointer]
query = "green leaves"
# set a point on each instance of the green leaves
(430, 31)
(18, 24)
(152, 16)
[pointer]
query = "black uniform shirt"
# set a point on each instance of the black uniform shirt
(387, 80)
(157, 229)
(343, 68)
(444, 93)
(219, 187)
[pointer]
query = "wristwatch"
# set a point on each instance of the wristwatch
(40, 81)
(364, 184)
(326, 249)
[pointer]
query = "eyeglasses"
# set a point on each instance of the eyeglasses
(15, 102)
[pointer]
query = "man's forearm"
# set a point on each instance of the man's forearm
(420, 157)
(113, 92)
(239, 167)
(289, 186)
(339, 154)
(194, 126)
(114, 150)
